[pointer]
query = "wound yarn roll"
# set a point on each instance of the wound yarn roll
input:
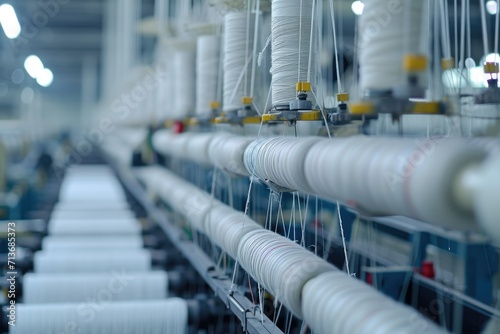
(290, 26)
(184, 92)
(280, 160)
(63, 243)
(333, 302)
(236, 61)
(87, 214)
(226, 152)
(92, 261)
(151, 317)
(280, 265)
(93, 227)
(116, 286)
(226, 227)
(207, 73)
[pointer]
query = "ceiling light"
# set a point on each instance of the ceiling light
(45, 78)
(492, 7)
(9, 22)
(33, 66)
(357, 7)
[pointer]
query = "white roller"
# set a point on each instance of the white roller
(336, 303)
(94, 227)
(388, 176)
(226, 227)
(207, 73)
(71, 288)
(226, 152)
(280, 160)
(237, 64)
(280, 265)
(63, 243)
(91, 214)
(152, 317)
(92, 261)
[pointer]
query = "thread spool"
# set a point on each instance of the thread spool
(226, 152)
(335, 303)
(207, 73)
(63, 243)
(92, 261)
(280, 160)
(153, 317)
(280, 265)
(385, 36)
(70, 288)
(236, 61)
(197, 148)
(290, 23)
(185, 84)
(226, 227)
(93, 227)
(383, 176)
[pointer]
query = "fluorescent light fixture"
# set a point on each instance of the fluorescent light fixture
(45, 78)
(357, 7)
(491, 7)
(33, 66)
(9, 22)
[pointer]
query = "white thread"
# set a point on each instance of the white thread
(382, 35)
(94, 227)
(280, 160)
(288, 27)
(86, 214)
(226, 152)
(384, 176)
(207, 73)
(71, 288)
(152, 317)
(63, 243)
(280, 265)
(92, 261)
(184, 92)
(235, 67)
(335, 303)
(226, 227)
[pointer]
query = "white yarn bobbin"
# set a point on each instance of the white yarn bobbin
(92, 261)
(291, 22)
(152, 317)
(184, 92)
(236, 62)
(94, 227)
(385, 36)
(226, 227)
(280, 265)
(388, 176)
(115, 286)
(63, 243)
(280, 161)
(207, 73)
(226, 152)
(336, 303)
